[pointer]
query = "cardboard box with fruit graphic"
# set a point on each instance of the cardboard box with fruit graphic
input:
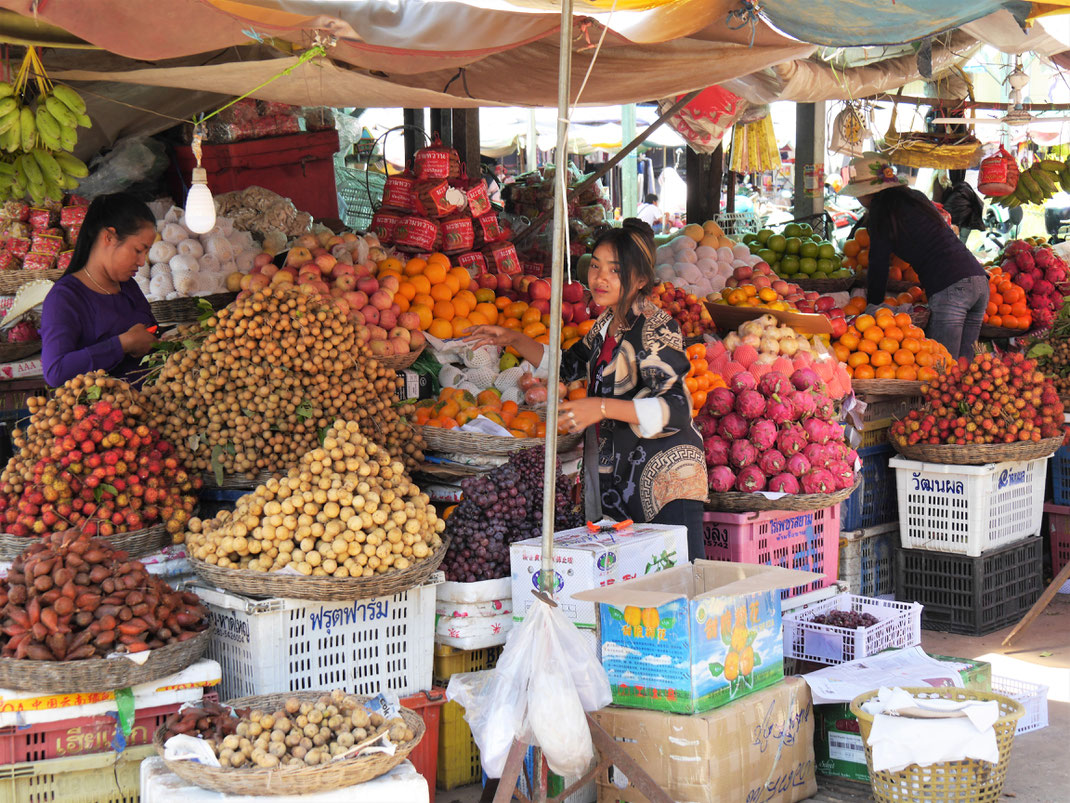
(694, 637)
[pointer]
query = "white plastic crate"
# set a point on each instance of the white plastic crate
(968, 509)
(283, 645)
(898, 625)
(1033, 696)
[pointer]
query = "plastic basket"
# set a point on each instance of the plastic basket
(874, 433)
(899, 625)
(94, 778)
(284, 645)
(968, 509)
(874, 501)
(424, 756)
(1060, 476)
(867, 560)
(1059, 535)
(362, 193)
(450, 661)
(971, 596)
(1032, 696)
(737, 222)
(458, 756)
(888, 407)
(809, 541)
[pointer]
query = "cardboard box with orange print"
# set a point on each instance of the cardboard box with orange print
(694, 637)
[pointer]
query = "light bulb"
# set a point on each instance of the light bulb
(200, 208)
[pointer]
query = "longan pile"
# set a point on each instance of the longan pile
(348, 509)
(274, 370)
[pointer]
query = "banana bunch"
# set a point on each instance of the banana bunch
(36, 144)
(1039, 183)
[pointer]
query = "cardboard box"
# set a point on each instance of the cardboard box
(694, 637)
(756, 749)
(584, 560)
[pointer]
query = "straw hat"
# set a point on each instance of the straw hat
(870, 173)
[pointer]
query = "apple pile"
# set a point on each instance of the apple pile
(993, 399)
(775, 434)
(1041, 274)
(687, 309)
(576, 306)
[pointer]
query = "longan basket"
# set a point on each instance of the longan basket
(838, 285)
(886, 387)
(187, 310)
(451, 440)
(252, 583)
(101, 674)
(966, 780)
(12, 280)
(978, 454)
(337, 774)
(13, 352)
(399, 363)
(742, 502)
(137, 543)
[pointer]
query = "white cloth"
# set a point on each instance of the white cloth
(648, 213)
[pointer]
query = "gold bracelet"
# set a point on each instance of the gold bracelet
(603, 408)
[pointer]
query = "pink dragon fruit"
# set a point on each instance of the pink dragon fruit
(750, 479)
(802, 405)
(1043, 258)
(742, 453)
(733, 426)
(773, 383)
(784, 483)
(750, 404)
(779, 411)
(798, 465)
(1025, 281)
(1055, 275)
(816, 454)
(852, 458)
(1043, 288)
(804, 379)
(1016, 247)
(818, 481)
(1009, 267)
(716, 449)
(816, 431)
(720, 401)
(763, 434)
(23, 332)
(772, 462)
(707, 425)
(1025, 261)
(842, 474)
(721, 479)
(742, 381)
(823, 407)
(791, 439)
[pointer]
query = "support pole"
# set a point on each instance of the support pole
(531, 153)
(809, 159)
(442, 124)
(466, 138)
(629, 185)
(413, 119)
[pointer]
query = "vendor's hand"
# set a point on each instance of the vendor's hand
(577, 415)
(137, 341)
(488, 335)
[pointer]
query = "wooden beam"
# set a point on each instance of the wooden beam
(987, 105)
(466, 138)
(1039, 605)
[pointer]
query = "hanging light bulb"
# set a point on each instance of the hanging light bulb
(200, 207)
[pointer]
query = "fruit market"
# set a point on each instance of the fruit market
(397, 405)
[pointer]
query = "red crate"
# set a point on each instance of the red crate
(808, 540)
(81, 735)
(296, 166)
(425, 757)
(1059, 533)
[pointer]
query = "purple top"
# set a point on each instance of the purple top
(80, 329)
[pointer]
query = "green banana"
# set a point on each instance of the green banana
(8, 105)
(49, 166)
(63, 115)
(71, 165)
(13, 138)
(28, 128)
(84, 121)
(69, 182)
(1050, 165)
(1064, 179)
(68, 138)
(53, 191)
(36, 193)
(1044, 180)
(31, 169)
(6, 170)
(69, 98)
(46, 122)
(6, 89)
(1030, 187)
(50, 143)
(8, 120)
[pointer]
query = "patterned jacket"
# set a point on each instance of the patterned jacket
(638, 476)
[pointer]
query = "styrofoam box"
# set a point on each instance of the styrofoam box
(473, 632)
(898, 625)
(283, 645)
(1033, 696)
(968, 509)
(483, 591)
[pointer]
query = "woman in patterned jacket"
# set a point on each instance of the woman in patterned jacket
(642, 451)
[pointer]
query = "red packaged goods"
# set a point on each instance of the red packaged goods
(19, 246)
(490, 229)
(270, 107)
(399, 193)
(457, 234)
(416, 234)
(383, 225)
(533, 268)
(431, 198)
(474, 262)
(77, 200)
(72, 216)
(502, 258)
(478, 200)
(39, 261)
(16, 210)
(437, 161)
(63, 261)
(46, 244)
(72, 233)
(40, 218)
(8, 261)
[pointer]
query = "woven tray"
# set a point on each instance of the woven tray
(187, 310)
(402, 362)
(137, 543)
(740, 502)
(238, 482)
(825, 285)
(978, 454)
(12, 280)
(994, 332)
(450, 440)
(338, 774)
(886, 387)
(101, 674)
(323, 589)
(13, 352)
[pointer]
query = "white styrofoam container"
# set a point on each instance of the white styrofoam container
(362, 647)
(1033, 696)
(968, 509)
(898, 625)
(483, 591)
(473, 632)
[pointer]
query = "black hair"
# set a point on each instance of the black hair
(651, 198)
(634, 245)
(120, 211)
(887, 207)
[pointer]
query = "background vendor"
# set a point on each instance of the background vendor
(96, 317)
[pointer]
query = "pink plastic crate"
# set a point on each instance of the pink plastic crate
(807, 540)
(1059, 532)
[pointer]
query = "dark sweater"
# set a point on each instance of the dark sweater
(932, 249)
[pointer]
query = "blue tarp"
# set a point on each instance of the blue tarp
(842, 23)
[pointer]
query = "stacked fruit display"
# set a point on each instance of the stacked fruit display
(701, 259)
(797, 253)
(499, 508)
(888, 345)
(700, 380)
(856, 257)
(1053, 355)
(1007, 306)
(775, 434)
(1041, 274)
(1041, 181)
(993, 399)
(454, 408)
(88, 459)
(687, 309)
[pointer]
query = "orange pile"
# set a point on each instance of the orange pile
(1007, 304)
(857, 305)
(454, 408)
(889, 346)
(700, 380)
(527, 319)
(856, 257)
(443, 296)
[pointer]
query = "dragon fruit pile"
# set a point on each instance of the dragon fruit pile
(23, 332)
(775, 433)
(1043, 276)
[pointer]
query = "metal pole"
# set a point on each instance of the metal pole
(629, 184)
(532, 151)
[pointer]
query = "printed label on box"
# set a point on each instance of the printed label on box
(847, 747)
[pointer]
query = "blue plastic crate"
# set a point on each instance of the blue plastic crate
(212, 500)
(874, 501)
(867, 560)
(1060, 476)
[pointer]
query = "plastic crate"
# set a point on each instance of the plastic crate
(284, 645)
(450, 661)
(1032, 696)
(1060, 476)
(874, 501)
(971, 596)
(874, 433)
(808, 540)
(362, 193)
(899, 626)
(1059, 535)
(95, 778)
(424, 757)
(212, 500)
(737, 223)
(968, 509)
(867, 560)
(458, 755)
(888, 408)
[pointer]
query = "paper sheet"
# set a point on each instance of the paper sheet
(906, 667)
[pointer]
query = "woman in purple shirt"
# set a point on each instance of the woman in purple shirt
(96, 317)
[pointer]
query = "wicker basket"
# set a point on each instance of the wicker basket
(920, 317)
(886, 387)
(1001, 332)
(101, 674)
(839, 285)
(403, 361)
(451, 440)
(977, 454)
(138, 543)
(187, 310)
(238, 482)
(741, 502)
(337, 774)
(322, 589)
(13, 352)
(939, 151)
(967, 780)
(12, 280)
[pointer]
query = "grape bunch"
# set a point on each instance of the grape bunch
(848, 619)
(498, 509)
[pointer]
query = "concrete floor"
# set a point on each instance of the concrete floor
(1040, 764)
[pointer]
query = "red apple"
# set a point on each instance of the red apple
(371, 315)
(488, 281)
(539, 288)
(572, 292)
(356, 299)
(543, 305)
(262, 259)
(326, 263)
(388, 319)
(505, 282)
(368, 284)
